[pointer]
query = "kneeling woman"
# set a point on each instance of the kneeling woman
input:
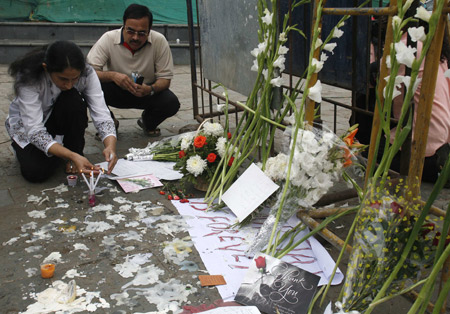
(47, 119)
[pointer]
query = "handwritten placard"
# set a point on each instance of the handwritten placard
(275, 286)
(249, 191)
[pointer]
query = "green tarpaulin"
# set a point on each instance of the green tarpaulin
(90, 11)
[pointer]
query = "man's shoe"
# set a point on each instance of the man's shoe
(152, 133)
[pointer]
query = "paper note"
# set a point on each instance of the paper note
(160, 169)
(135, 184)
(249, 191)
(211, 280)
(234, 310)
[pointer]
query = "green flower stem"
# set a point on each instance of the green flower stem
(321, 226)
(442, 297)
(413, 236)
(421, 282)
(341, 254)
(299, 122)
(430, 281)
(314, 300)
(277, 124)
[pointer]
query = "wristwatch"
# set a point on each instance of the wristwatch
(152, 92)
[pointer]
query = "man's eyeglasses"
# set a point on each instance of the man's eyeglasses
(132, 32)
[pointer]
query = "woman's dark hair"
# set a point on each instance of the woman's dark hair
(136, 12)
(58, 56)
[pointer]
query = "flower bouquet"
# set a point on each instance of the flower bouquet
(319, 157)
(164, 150)
(200, 152)
(383, 227)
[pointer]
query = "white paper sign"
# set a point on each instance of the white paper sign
(234, 310)
(222, 247)
(249, 191)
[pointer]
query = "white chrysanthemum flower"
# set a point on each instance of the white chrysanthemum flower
(318, 64)
(283, 50)
(319, 43)
(186, 141)
(396, 21)
(315, 92)
(196, 165)
(265, 73)
(341, 24)
(255, 66)
(308, 142)
(282, 37)
(330, 47)
(276, 81)
(417, 33)
(279, 63)
(323, 57)
(423, 14)
(221, 146)
(388, 62)
(337, 33)
(322, 181)
(312, 197)
(267, 19)
(405, 55)
(213, 129)
(447, 73)
(328, 139)
(298, 176)
(276, 167)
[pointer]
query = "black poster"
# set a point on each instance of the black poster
(273, 285)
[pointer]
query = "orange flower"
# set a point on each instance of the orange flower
(347, 163)
(211, 157)
(200, 141)
(347, 157)
(350, 139)
(181, 153)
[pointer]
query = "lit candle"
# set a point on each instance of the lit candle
(47, 270)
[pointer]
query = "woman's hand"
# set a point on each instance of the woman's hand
(110, 152)
(82, 164)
